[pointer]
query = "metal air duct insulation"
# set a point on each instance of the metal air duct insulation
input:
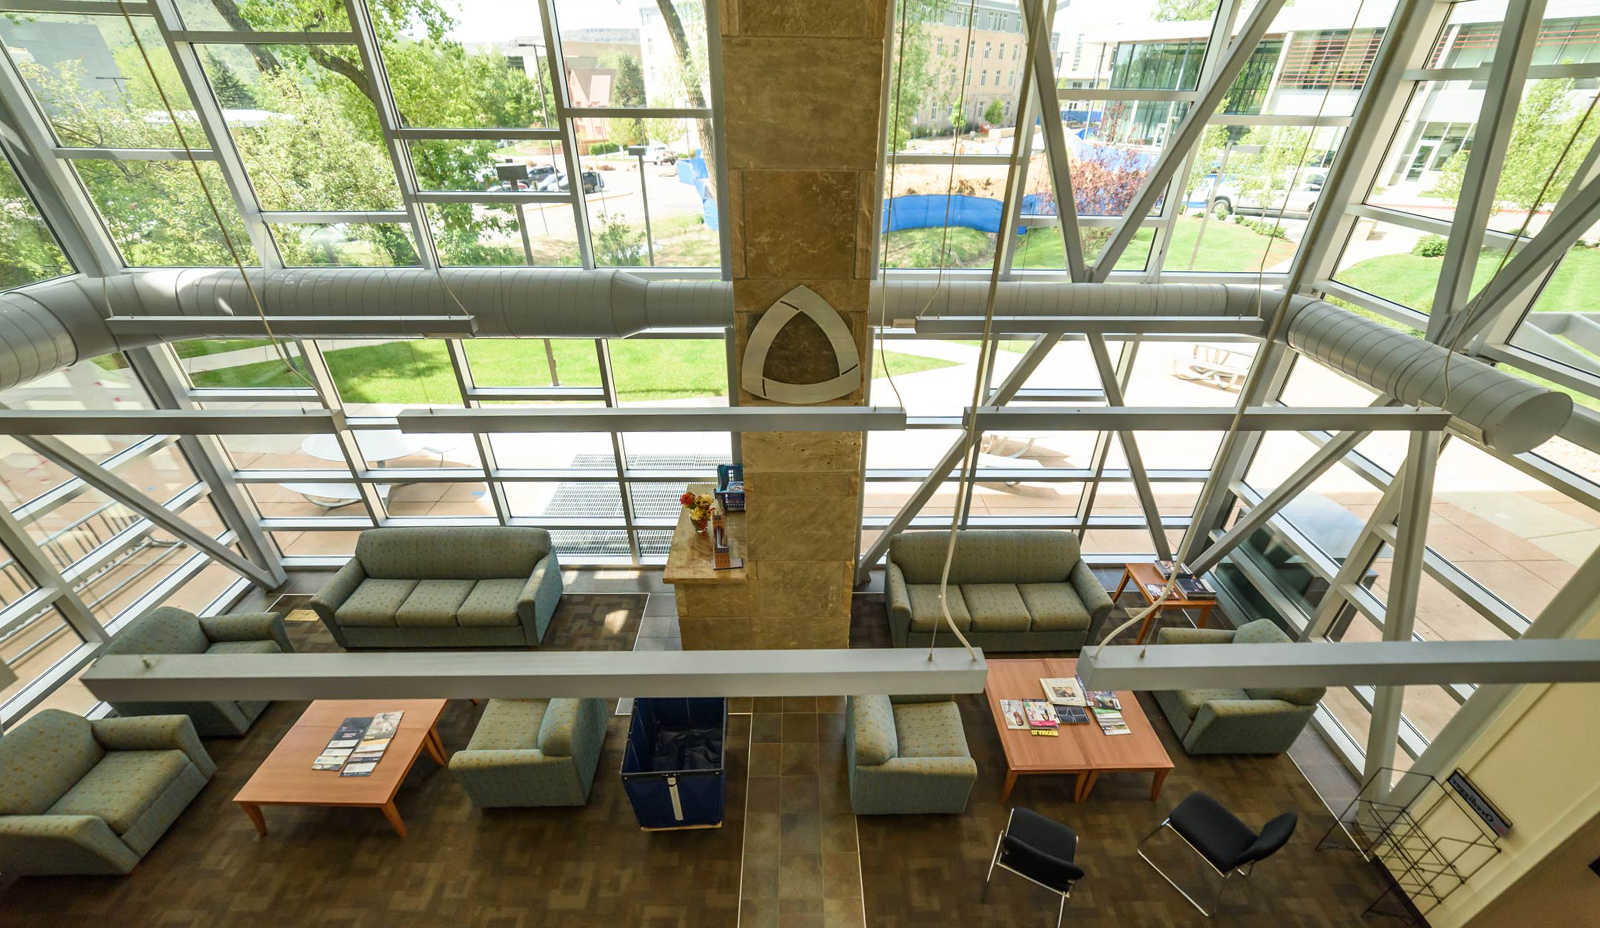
(1511, 414)
(903, 301)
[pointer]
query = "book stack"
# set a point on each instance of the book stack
(1042, 718)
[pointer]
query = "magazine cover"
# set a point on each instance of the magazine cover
(1111, 722)
(1063, 691)
(1104, 699)
(1040, 714)
(345, 739)
(1073, 715)
(1016, 717)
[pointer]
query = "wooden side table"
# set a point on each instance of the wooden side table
(1142, 573)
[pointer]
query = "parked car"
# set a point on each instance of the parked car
(592, 182)
(1229, 198)
(657, 153)
(497, 183)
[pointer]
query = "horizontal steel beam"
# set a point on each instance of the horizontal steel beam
(533, 675)
(333, 217)
(1340, 663)
(181, 327)
(657, 419)
(165, 422)
(1209, 418)
(1100, 325)
(412, 132)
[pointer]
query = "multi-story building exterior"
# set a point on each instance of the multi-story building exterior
(994, 53)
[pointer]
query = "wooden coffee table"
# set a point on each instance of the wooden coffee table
(285, 778)
(1082, 750)
(1140, 573)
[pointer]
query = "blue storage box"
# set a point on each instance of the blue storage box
(730, 487)
(674, 768)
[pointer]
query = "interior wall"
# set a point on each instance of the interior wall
(1539, 763)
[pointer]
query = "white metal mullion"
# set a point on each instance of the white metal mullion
(462, 366)
(209, 113)
(1054, 135)
(366, 42)
(1102, 441)
(618, 451)
(565, 122)
(1006, 241)
(718, 140)
(1408, 39)
(1400, 611)
(1501, 97)
(44, 575)
(1130, 448)
(354, 459)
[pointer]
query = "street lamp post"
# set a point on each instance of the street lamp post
(649, 240)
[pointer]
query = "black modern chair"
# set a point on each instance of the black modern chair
(1221, 840)
(1040, 851)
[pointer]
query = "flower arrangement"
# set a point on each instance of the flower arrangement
(699, 506)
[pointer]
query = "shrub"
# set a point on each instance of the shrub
(604, 148)
(1430, 246)
(1260, 227)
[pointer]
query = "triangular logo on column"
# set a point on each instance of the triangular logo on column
(801, 300)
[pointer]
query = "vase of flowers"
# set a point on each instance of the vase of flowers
(699, 506)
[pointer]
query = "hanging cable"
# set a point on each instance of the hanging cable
(1279, 315)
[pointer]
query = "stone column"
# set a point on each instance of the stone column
(802, 84)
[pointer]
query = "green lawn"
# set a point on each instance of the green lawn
(419, 372)
(1226, 246)
(1410, 279)
(205, 346)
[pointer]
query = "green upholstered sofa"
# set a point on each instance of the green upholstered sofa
(82, 797)
(1008, 590)
(907, 755)
(173, 631)
(533, 752)
(448, 587)
(1236, 721)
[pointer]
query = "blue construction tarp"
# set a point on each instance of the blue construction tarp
(692, 171)
(928, 211)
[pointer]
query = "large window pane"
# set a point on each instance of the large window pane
(475, 64)
(632, 57)
(533, 362)
(320, 16)
(159, 214)
(656, 210)
(92, 83)
(346, 244)
(31, 646)
(311, 140)
(28, 251)
(479, 235)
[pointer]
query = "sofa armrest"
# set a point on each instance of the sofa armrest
(1176, 635)
(1246, 726)
(250, 626)
(154, 733)
(537, 603)
(338, 589)
(1094, 595)
(896, 595)
(65, 844)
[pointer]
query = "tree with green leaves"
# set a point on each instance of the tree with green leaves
(28, 252)
(1173, 11)
(627, 89)
(231, 92)
(910, 81)
(1546, 119)
(995, 112)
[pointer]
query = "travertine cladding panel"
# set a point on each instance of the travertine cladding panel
(717, 600)
(826, 631)
(715, 634)
(801, 452)
(799, 223)
(839, 18)
(805, 588)
(803, 103)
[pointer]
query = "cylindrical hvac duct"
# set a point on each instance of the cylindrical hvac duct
(905, 300)
(1511, 414)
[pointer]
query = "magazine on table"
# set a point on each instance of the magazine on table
(1104, 699)
(1164, 568)
(1195, 588)
(1015, 715)
(1072, 715)
(1063, 691)
(1111, 722)
(344, 741)
(373, 742)
(1042, 717)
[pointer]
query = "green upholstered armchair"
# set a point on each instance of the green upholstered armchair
(907, 755)
(1008, 590)
(173, 631)
(446, 587)
(533, 752)
(1236, 721)
(82, 797)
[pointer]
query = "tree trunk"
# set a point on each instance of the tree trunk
(265, 59)
(697, 97)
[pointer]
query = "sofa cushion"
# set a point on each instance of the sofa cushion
(43, 758)
(433, 603)
(925, 610)
(243, 647)
(1299, 695)
(987, 556)
(509, 725)
(167, 630)
(452, 553)
(872, 730)
(995, 607)
(1054, 607)
(929, 729)
(122, 786)
(491, 603)
(1191, 700)
(1261, 631)
(374, 603)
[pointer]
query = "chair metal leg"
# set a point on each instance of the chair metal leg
(990, 875)
(1139, 849)
(1062, 911)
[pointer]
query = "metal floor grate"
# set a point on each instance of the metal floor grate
(589, 500)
